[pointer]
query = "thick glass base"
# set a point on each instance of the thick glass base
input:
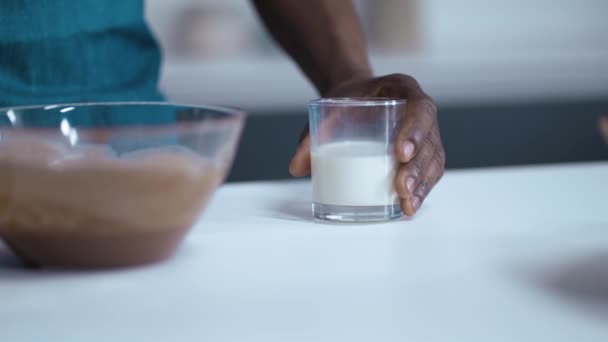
(339, 213)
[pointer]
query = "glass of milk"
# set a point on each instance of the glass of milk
(353, 163)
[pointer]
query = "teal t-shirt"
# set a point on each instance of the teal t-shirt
(65, 51)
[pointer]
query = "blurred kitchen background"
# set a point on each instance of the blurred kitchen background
(517, 82)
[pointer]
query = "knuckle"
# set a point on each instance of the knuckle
(438, 168)
(405, 80)
(423, 189)
(439, 159)
(429, 140)
(428, 107)
(426, 151)
(394, 76)
(416, 168)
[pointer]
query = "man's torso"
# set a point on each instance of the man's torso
(57, 51)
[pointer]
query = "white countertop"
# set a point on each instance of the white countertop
(511, 254)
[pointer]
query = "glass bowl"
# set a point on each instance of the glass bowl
(109, 184)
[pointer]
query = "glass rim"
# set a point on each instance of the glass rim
(357, 101)
(231, 111)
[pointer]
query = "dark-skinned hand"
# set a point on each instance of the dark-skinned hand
(418, 145)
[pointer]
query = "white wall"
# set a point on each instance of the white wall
(504, 26)
(471, 51)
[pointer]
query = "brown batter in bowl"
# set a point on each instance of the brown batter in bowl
(97, 211)
(85, 206)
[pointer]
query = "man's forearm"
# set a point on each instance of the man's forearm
(323, 36)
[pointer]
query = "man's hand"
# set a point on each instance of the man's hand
(325, 39)
(418, 145)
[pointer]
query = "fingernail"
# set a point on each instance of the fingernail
(408, 150)
(410, 184)
(415, 203)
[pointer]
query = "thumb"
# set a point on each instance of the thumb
(300, 163)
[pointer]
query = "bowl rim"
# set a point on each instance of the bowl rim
(229, 110)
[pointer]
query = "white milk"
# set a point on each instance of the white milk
(353, 173)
